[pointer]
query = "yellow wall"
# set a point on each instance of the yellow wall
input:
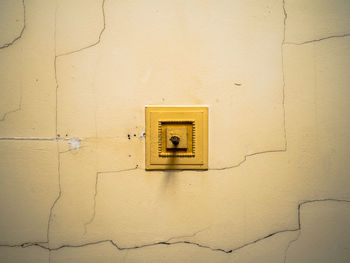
(74, 79)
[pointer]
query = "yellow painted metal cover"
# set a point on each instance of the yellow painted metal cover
(176, 138)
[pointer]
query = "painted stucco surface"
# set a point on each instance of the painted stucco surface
(74, 79)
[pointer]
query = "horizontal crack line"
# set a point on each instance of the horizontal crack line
(246, 157)
(33, 139)
(317, 40)
(45, 246)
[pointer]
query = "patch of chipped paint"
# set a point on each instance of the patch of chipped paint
(142, 134)
(145, 78)
(74, 143)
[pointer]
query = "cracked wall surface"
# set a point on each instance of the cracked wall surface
(12, 16)
(74, 80)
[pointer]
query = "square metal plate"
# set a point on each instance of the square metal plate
(190, 124)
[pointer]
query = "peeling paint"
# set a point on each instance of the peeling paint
(147, 75)
(143, 134)
(74, 143)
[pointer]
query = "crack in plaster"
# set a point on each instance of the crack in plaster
(56, 107)
(19, 107)
(56, 89)
(46, 245)
(289, 244)
(33, 139)
(96, 42)
(169, 243)
(284, 149)
(299, 221)
(6, 46)
(71, 52)
(95, 194)
(283, 89)
(21, 33)
(246, 157)
(96, 188)
(123, 170)
(53, 138)
(318, 40)
(186, 236)
(58, 196)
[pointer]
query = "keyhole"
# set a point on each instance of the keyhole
(175, 140)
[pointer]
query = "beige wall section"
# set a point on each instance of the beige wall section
(27, 101)
(74, 80)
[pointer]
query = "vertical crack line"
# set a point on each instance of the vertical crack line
(93, 206)
(19, 107)
(99, 36)
(22, 31)
(95, 194)
(288, 246)
(10, 44)
(56, 98)
(71, 52)
(285, 16)
(56, 135)
(300, 205)
(284, 149)
(58, 196)
(55, 69)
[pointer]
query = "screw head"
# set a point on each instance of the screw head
(175, 140)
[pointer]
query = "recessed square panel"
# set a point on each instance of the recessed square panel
(172, 133)
(176, 138)
(184, 130)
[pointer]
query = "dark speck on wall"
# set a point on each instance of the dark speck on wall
(129, 136)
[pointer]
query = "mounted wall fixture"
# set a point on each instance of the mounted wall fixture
(176, 138)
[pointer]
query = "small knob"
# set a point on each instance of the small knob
(175, 140)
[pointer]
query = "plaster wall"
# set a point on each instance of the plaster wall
(74, 79)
